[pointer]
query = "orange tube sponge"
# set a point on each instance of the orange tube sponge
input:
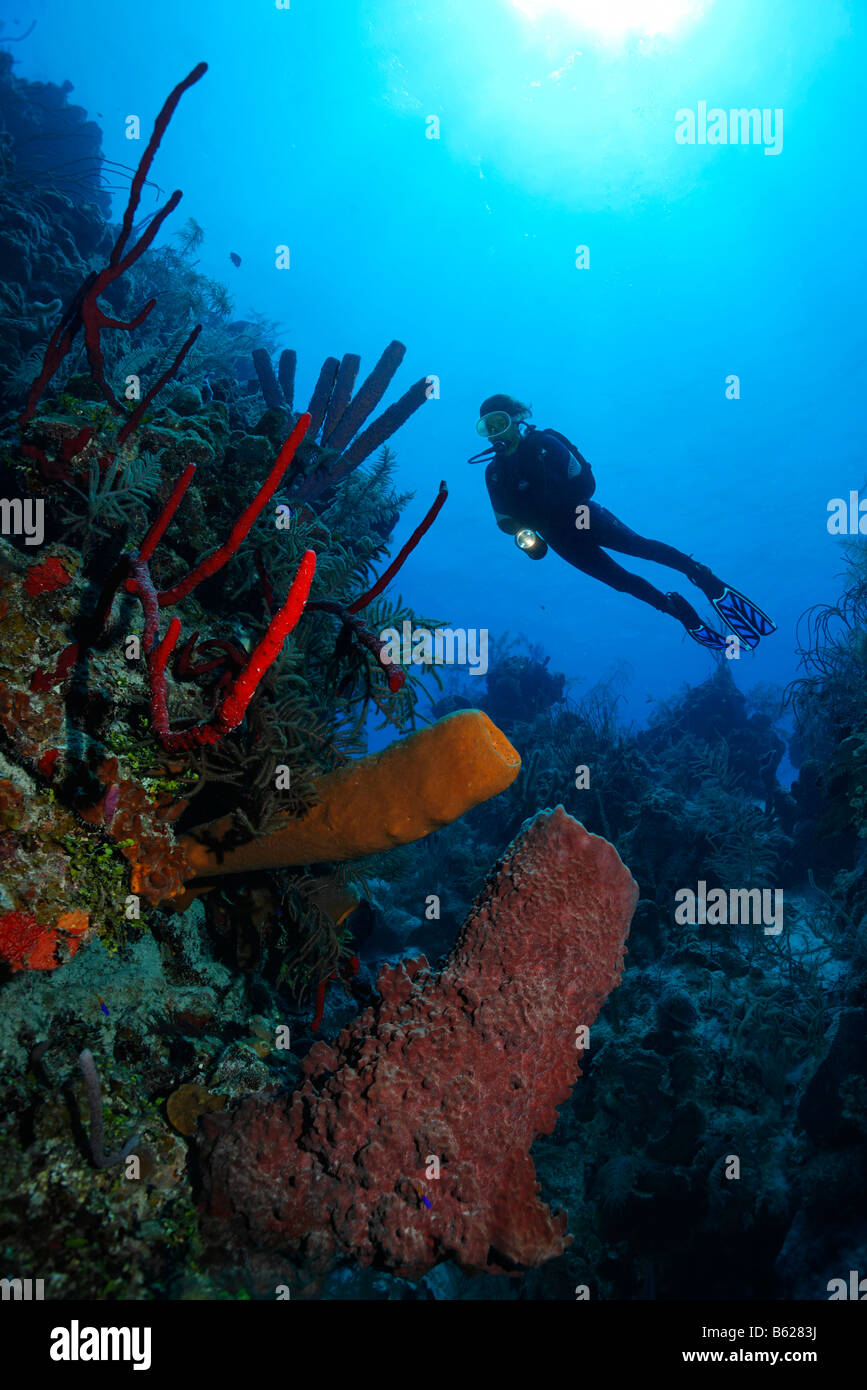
(391, 798)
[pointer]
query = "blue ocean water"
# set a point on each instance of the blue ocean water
(312, 129)
(537, 198)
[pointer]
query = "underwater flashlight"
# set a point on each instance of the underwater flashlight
(531, 544)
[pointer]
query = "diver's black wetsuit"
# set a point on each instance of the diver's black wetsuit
(540, 486)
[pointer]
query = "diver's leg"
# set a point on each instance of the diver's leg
(597, 563)
(608, 530)
(744, 616)
(593, 561)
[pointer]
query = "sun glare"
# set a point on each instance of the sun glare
(614, 18)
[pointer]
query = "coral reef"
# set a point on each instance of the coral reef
(85, 315)
(124, 466)
(717, 1033)
(49, 146)
(95, 783)
(237, 697)
(468, 1065)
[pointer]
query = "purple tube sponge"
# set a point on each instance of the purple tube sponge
(94, 1104)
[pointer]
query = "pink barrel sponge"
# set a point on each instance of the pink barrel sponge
(466, 1066)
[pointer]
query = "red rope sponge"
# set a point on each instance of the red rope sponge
(84, 312)
(404, 551)
(234, 705)
(268, 649)
(211, 563)
(158, 530)
(138, 581)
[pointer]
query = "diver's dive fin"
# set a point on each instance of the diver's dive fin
(679, 608)
(745, 618)
(706, 637)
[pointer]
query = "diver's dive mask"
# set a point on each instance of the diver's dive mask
(494, 424)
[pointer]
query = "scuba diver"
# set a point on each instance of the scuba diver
(540, 487)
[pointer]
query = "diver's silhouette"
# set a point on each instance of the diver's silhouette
(540, 487)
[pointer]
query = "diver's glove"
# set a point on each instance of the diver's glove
(531, 543)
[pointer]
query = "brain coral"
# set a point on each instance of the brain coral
(467, 1065)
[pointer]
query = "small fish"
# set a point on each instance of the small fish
(103, 1006)
(234, 258)
(424, 1198)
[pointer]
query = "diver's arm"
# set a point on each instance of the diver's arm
(525, 538)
